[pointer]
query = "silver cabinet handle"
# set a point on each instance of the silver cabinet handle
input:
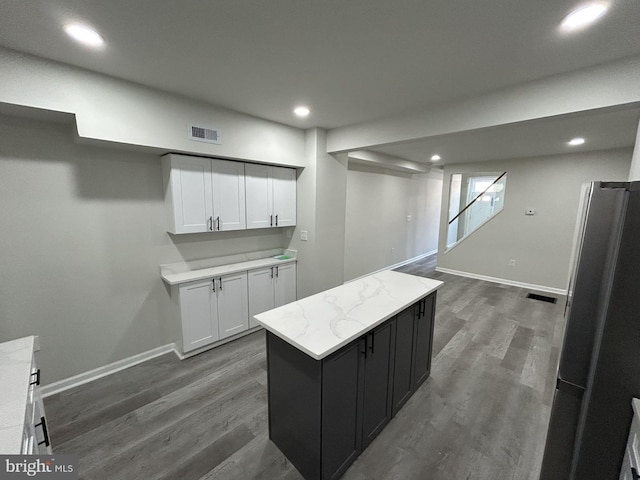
(276, 220)
(210, 222)
(218, 222)
(214, 284)
(220, 283)
(271, 220)
(277, 271)
(271, 272)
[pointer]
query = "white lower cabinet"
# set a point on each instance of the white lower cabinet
(271, 287)
(233, 312)
(261, 297)
(35, 439)
(213, 309)
(23, 423)
(40, 443)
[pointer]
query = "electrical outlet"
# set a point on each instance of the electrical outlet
(512, 263)
(304, 235)
(408, 218)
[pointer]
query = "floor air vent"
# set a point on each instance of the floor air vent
(542, 298)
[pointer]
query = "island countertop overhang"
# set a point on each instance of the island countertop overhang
(323, 323)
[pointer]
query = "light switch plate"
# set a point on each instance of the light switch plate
(304, 235)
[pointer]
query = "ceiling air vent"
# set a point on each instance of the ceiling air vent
(200, 133)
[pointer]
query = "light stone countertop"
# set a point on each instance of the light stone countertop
(323, 323)
(15, 372)
(183, 272)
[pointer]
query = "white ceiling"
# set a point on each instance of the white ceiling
(351, 61)
(602, 130)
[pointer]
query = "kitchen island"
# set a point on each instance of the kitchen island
(341, 363)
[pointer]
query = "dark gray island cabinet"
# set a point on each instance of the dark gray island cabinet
(342, 363)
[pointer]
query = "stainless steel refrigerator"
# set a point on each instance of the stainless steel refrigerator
(599, 368)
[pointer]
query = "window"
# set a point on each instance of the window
(474, 199)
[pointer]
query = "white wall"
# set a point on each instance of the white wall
(112, 110)
(378, 203)
(634, 171)
(82, 239)
(321, 213)
(540, 244)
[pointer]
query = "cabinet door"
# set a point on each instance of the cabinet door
(261, 294)
(259, 193)
(285, 285)
(402, 375)
(284, 196)
(341, 413)
(228, 195)
(378, 366)
(198, 309)
(42, 444)
(233, 310)
(192, 195)
(423, 334)
(29, 442)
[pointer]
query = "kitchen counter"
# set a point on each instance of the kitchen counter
(183, 272)
(15, 372)
(342, 363)
(323, 323)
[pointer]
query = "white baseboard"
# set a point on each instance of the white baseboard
(96, 373)
(197, 351)
(504, 281)
(397, 265)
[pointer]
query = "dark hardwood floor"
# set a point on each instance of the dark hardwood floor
(481, 415)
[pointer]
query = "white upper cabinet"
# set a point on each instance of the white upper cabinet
(188, 194)
(227, 180)
(284, 196)
(259, 196)
(203, 195)
(271, 196)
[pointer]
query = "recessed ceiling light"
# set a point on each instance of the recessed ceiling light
(435, 158)
(84, 34)
(576, 141)
(583, 16)
(302, 111)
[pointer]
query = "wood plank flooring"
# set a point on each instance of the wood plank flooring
(481, 415)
